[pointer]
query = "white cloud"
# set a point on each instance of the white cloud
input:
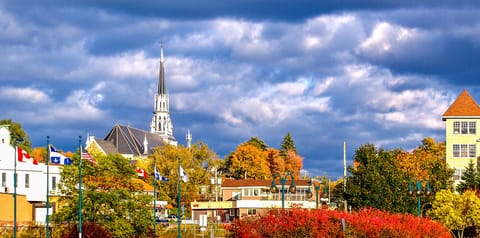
(386, 37)
(25, 95)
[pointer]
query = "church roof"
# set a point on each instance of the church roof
(463, 106)
(129, 140)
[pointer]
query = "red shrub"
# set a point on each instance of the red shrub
(369, 223)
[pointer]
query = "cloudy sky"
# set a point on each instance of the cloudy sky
(360, 71)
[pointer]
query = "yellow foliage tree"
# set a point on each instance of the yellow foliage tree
(249, 161)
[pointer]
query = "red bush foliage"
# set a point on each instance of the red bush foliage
(303, 223)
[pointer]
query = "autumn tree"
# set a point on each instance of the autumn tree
(197, 161)
(248, 161)
(456, 212)
(470, 179)
(426, 163)
(293, 163)
(16, 131)
(275, 161)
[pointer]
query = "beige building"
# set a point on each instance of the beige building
(245, 197)
(461, 134)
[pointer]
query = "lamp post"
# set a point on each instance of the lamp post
(283, 179)
(16, 141)
(418, 193)
(317, 188)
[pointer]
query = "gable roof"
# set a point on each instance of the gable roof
(463, 106)
(129, 140)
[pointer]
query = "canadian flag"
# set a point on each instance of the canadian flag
(141, 172)
(23, 156)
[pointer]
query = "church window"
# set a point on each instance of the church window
(27, 180)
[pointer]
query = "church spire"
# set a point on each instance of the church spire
(161, 121)
(162, 88)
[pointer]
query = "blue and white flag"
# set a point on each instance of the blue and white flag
(57, 158)
(183, 175)
(160, 177)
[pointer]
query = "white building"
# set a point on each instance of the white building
(31, 184)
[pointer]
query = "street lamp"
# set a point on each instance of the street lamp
(283, 179)
(16, 141)
(418, 193)
(317, 188)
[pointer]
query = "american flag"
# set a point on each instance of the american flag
(89, 157)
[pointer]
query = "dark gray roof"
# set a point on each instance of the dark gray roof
(107, 146)
(129, 140)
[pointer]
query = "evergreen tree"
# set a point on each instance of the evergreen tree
(287, 145)
(257, 142)
(470, 178)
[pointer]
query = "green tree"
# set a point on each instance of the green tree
(376, 182)
(456, 212)
(470, 178)
(287, 145)
(111, 196)
(257, 142)
(16, 131)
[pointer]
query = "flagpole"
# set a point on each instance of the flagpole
(47, 203)
(15, 181)
(80, 196)
(154, 196)
(178, 202)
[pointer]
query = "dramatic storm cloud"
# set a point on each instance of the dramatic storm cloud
(379, 72)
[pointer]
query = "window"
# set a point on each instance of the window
(27, 180)
(472, 151)
(456, 127)
(472, 127)
(464, 151)
(4, 179)
(251, 191)
(457, 175)
(54, 183)
(252, 211)
(465, 127)
(456, 150)
(236, 196)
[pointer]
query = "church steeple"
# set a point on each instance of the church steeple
(162, 88)
(161, 121)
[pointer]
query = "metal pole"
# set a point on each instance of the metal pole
(345, 174)
(178, 202)
(282, 180)
(80, 193)
(154, 196)
(47, 203)
(15, 189)
(316, 195)
(419, 189)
